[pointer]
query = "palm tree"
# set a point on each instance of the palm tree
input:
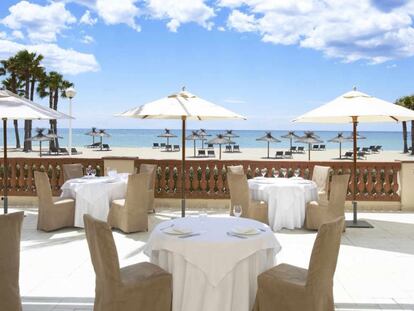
(29, 69)
(53, 86)
(13, 84)
(407, 102)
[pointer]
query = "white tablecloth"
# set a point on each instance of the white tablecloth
(286, 198)
(213, 271)
(93, 196)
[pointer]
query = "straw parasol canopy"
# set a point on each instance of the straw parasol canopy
(167, 134)
(203, 134)
(94, 133)
(194, 137)
(14, 107)
(290, 135)
(269, 139)
(309, 139)
(340, 138)
(355, 107)
(220, 139)
(230, 134)
(358, 136)
(182, 106)
(101, 134)
(40, 137)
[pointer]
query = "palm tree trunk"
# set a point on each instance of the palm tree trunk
(16, 133)
(412, 137)
(405, 138)
(27, 123)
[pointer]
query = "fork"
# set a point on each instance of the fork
(236, 235)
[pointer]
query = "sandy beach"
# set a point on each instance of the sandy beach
(245, 154)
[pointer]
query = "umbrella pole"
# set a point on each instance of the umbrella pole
(220, 151)
(355, 223)
(40, 149)
(194, 148)
(6, 167)
(340, 150)
(291, 143)
(183, 167)
(309, 146)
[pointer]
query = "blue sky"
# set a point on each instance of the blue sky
(268, 60)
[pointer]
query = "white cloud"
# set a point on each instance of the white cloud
(180, 12)
(87, 19)
(42, 23)
(118, 12)
(3, 35)
(88, 39)
(221, 28)
(66, 61)
(234, 101)
(17, 34)
(371, 30)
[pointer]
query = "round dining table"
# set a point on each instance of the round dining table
(286, 199)
(214, 267)
(93, 195)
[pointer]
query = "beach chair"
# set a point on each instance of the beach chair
(358, 149)
(211, 153)
(155, 145)
(301, 149)
(361, 155)
(210, 146)
(366, 150)
(201, 153)
(75, 151)
(379, 147)
(236, 148)
(288, 155)
(94, 145)
(106, 147)
(315, 147)
(176, 148)
(279, 155)
(168, 148)
(228, 148)
(63, 150)
(322, 147)
(162, 145)
(293, 149)
(54, 150)
(348, 154)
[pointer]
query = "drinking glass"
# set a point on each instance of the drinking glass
(202, 214)
(237, 210)
(264, 172)
(93, 172)
(284, 172)
(297, 172)
(89, 170)
(276, 174)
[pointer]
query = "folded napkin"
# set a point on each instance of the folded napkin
(244, 230)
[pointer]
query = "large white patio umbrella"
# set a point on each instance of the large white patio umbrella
(354, 107)
(14, 107)
(182, 106)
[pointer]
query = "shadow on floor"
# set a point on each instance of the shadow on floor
(57, 303)
(372, 306)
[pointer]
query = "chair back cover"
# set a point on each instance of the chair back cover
(235, 169)
(10, 232)
(337, 195)
(137, 198)
(324, 256)
(239, 192)
(150, 169)
(103, 252)
(71, 171)
(320, 176)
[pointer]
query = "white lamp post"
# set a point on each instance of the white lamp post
(70, 93)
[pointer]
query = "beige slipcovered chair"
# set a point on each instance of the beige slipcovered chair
(290, 288)
(52, 215)
(235, 169)
(71, 171)
(240, 195)
(150, 169)
(320, 176)
(141, 286)
(323, 211)
(10, 232)
(131, 214)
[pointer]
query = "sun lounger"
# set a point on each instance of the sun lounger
(293, 149)
(210, 146)
(358, 149)
(94, 145)
(379, 147)
(201, 153)
(315, 147)
(211, 153)
(279, 155)
(168, 148)
(301, 149)
(288, 155)
(361, 155)
(63, 150)
(155, 145)
(236, 148)
(348, 154)
(162, 145)
(176, 148)
(366, 150)
(74, 151)
(322, 147)
(228, 148)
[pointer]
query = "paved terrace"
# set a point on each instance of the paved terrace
(375, 268)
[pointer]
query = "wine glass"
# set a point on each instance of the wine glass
(276, 173)
(264, 171)
(202, 214)
(297, 173)
(237, 210)
(89, 170)
(284, 172)
(93, 172)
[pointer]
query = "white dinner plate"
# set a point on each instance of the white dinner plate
(260, 178)
(245, 230)
(178, 230)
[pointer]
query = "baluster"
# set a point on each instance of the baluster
(207, 178)
(191, 178)
(395, 186)
(387, 183)
(199, 179)
(369, 184)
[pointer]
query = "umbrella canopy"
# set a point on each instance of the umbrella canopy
(194, 136)
(290, 135)
(311, 133)
(220, 139)
(354, 107)
(40, 137)
(203, 133)
(101, 134)
(309, 139)
(230, 134)
(182, 106)
(94, 133)
(340, 138)
(269, 139)
(14, 107)
(167, 134)
(52, 135)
